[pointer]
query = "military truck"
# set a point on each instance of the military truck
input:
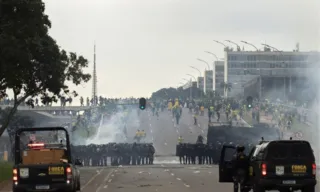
(43, 161)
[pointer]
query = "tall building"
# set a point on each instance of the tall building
(208, 84)
(213, 82)
(219, 76)
(267, 71)
(201, 83)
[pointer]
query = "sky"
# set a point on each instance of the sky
(145, 45)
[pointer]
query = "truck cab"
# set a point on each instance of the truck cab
(43, 163)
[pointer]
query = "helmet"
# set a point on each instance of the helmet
(240, 148)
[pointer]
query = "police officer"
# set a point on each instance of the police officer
(240, 164)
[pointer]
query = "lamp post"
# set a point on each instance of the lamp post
(190, 81)
(269, 46)
(245, 42)
(220, 43)
(204, 62)
(197, 70)
(213, 70)
(238, 47)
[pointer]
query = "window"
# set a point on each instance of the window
(278, 151)
(301, 150)
(290, 151)
(229, 154)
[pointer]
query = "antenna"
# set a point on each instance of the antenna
(94, 77)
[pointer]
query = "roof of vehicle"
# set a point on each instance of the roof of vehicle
(40, 129)
(264, 144)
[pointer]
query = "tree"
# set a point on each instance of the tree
(17, 121)
(31, 62)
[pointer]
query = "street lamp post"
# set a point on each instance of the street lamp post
(238, 47)
(199, 81)
(191, 85)
(213, 71)
(220, 43)
(245, 42)
(269, 46)
(204, 62)
(197, 70)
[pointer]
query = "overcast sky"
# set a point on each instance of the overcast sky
(144, 45)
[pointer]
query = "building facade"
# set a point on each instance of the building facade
(279, 73)
(208, 81)
(201, 83)
(219, 76)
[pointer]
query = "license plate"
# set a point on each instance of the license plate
(289, 182)
(41, 187)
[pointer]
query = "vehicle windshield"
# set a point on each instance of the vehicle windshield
(42, 147)
(50, 138)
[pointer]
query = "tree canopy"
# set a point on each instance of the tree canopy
(31, 63)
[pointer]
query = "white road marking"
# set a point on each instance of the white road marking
(186, 185)
(85, 185)
(105, 179)
(106, 186)
(178, 179)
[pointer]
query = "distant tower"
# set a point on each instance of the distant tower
(94, 78)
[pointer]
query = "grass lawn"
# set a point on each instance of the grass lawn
(5, 171)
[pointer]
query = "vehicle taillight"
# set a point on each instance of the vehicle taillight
(264, 169)
(15, 175)
(314, 169)
(69, 174)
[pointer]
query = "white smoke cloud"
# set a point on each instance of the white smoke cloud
(112, 129)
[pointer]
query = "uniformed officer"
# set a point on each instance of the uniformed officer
(240, 164)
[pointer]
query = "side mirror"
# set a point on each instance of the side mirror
(78, 162)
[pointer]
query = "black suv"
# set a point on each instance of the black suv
(275, 165)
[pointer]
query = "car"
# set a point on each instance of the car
(283, 165)
(44, 163)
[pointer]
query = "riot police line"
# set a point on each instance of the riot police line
(200, 153)
(115, 154)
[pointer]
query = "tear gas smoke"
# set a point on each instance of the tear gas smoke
(113, 128)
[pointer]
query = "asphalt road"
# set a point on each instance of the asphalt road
(169, 178)
(162, 177)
